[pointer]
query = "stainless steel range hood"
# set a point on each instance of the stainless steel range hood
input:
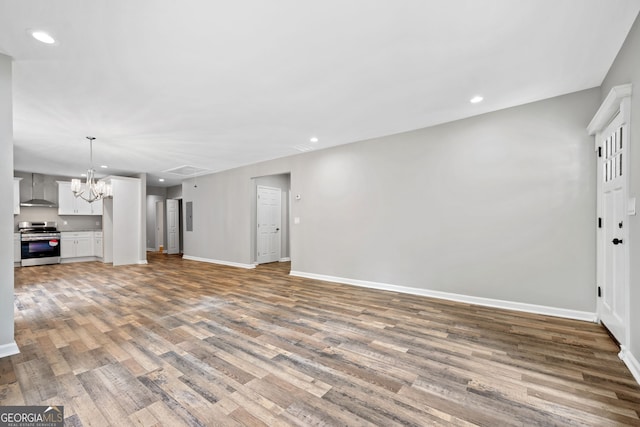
(37, 194)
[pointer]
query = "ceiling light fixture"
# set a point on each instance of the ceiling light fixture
(161, 179)
(43, 37)
(476, 99)
(104, 166)
(313, 139)
(95, 190)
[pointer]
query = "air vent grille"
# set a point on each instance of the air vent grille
(187, 171)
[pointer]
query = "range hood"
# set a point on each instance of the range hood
(37, 194)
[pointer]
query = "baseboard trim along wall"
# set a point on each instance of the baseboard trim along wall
(487, 302)
(631, 362)
(285, 259)
(216, 261)
(9, 349)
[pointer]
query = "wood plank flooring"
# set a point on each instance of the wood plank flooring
(182, 343)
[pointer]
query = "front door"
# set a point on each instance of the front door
(269, 219)
(612, 241)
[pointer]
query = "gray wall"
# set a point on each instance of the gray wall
(142, 241)
(497, 206)
(626, 69)
(174, 192)
(6, 209)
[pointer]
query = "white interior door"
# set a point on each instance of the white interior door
(612, 238)
(269, 218)
(173, 228)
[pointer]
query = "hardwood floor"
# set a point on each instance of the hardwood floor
(179, 342)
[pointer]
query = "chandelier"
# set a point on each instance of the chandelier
(91, 190)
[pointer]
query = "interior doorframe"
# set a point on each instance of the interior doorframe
(618, 101)
(286, 222)
(159, 225)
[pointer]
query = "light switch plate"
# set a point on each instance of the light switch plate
(296, 220)
(631, 206)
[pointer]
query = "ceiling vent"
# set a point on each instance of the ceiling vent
(303, 148)
(187, 171)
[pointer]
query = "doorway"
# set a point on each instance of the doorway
(159, 226)
(173, 227)
(270, 219)
(269, 224)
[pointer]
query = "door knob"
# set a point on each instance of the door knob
(616, 241)
(277, 229)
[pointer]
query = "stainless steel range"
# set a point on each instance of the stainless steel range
(40, 243)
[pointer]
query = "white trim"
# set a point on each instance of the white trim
(285, 259)
(152, 250)
(487, 302)
(79, 259)
(216, 261)
(632, 363)
(609, 107)
(9, 349)
(143, 262)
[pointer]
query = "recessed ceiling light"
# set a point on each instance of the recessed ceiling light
(313, 139)
(83, 174)
(104, 166)
(43, 37)
(161, 179)
(476, 99)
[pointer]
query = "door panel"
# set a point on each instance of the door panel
(269, 207)
(612, 305)
(173, 229)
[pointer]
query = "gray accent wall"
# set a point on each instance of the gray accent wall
(174, 192)
(6, 209)
(498, 206)
(626, 69)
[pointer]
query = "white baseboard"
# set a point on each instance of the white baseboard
(9, 349)
(285, 259)
(216, 261)
(631, 362)
(487, 302)
(143, 261)
(151, 250)
(79, 259)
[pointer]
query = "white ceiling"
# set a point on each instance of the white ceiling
(214, 85)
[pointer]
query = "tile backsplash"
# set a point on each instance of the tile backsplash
(74, 222)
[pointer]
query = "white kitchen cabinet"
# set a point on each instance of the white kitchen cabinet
(76, 244)
(96, 207)
(17, 248)
(98, 250)
(68, 204)
(16, 196)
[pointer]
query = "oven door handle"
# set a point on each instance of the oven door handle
(38, 238)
